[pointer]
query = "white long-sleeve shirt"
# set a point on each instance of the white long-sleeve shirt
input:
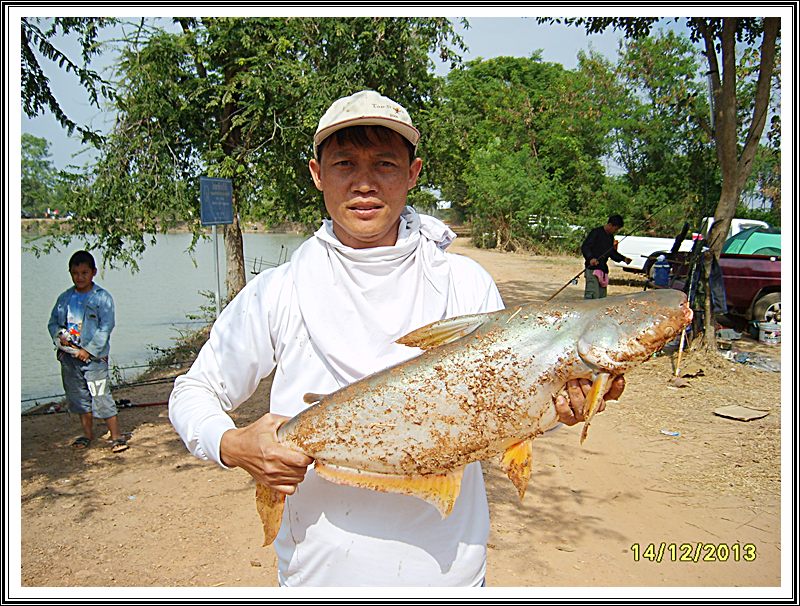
(325, 319)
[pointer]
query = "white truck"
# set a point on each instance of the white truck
(643, 250)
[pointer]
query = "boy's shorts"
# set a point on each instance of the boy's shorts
(87, 386)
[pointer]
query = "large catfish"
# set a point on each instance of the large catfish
(485, 385)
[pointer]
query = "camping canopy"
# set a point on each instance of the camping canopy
(754, 241)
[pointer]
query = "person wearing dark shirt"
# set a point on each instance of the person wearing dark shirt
(596, 249)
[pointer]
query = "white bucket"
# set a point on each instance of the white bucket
(769, 333)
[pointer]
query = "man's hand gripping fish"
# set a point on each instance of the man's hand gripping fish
(484, 385)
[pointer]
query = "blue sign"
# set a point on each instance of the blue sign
(216, 201)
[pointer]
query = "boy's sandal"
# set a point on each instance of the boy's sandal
(81, 442)
(107, 435)
(119, 445)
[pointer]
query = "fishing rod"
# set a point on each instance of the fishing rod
(156, 381)
(113, 369)
(56, 409)
(576, 276)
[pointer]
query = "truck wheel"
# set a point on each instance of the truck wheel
(768, 308)
(649, 269)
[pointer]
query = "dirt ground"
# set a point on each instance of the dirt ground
(633, 507)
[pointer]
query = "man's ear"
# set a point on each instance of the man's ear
(413, 172)
(314, 168)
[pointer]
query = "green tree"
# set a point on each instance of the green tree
(505, 190)
(736, 128)
(657, 140)
(577, 127)
(39, 34)
(519, 121)
(479, 102)
(39, 176)
(762, 194)
(240, 98)
(761, 197)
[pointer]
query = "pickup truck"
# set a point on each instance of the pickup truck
(752, 281)
(643, 250)
(753, 286)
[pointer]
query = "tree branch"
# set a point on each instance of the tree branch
(185, 24)
(761, 105)
(713, 71)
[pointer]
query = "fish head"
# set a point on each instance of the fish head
(623, 331)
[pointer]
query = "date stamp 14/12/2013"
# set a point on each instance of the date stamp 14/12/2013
(694, 552)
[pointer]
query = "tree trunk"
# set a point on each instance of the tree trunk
(734, 168)
(235, 278)
(234, 247)
(726, 209)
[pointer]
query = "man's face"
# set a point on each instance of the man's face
(365, 188)
(611, 228)
(82, 276)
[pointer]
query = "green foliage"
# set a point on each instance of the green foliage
(501, 98)
(736, 131)
(503, 139)
(762, 214)
(615, 197)
(659, 142)
(762, 190)
(580, 117)
(40, 34)
(646, 113)
(513, 137)
(633, 28)
(240, 98)
(762, 194)
(650, 61)
(505, 189)
(423, 200)
(38, 186)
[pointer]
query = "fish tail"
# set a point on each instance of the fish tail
(516, 463)
(269, 503)
(593, 400)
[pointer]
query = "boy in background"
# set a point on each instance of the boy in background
(80, 325)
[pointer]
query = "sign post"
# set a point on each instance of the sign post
(216, 208)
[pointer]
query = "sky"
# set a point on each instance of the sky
(486, 37)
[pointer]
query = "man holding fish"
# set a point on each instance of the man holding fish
(374, 272)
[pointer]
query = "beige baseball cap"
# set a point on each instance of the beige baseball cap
(365, 107)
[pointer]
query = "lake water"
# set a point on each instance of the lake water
(152, 306)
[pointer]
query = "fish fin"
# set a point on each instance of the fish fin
(269, 503)
(516, 462)
(313, 398)
(442, 332)
(593, 400)
(440, 490)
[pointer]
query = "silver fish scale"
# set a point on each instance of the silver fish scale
(472, 398)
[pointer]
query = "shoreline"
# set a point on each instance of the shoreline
(57, 226)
